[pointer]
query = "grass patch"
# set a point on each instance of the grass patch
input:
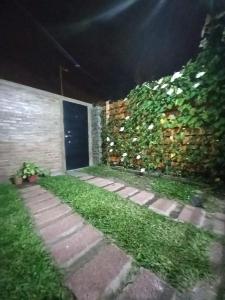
(26, 270)
(177, 252)
(172, 189)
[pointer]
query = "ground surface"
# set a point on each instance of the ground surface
(177, 252)
(26, 270)
(173, 189)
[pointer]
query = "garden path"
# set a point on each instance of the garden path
(214, 222)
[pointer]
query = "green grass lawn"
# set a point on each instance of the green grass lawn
(173, 189)
(26, 271)
(177, 252)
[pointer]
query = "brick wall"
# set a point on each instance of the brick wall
(31, 128)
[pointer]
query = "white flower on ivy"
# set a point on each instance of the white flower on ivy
(112, 144)
(196, 85)
(200, 74)
(160, 81)
(164, 85)
(137, 127)
(151, 126)
(155, 87)
(125, 99)
(108, 139)
(172, 155)
(122, 159)
(121, 129)
(138, 156)
(127, 118)
(175, 76)
(179, 91)
(124, 154)
(146, 84)
(110, 150)
(142, 170)
(134, 139)
(171, 117)
(170, 92)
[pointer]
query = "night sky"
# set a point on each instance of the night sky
(107, 46)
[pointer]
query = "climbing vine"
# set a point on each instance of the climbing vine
(177, 123)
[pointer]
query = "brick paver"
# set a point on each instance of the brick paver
(142, 197)
(46, 217)
(100, 182)
(163, 206)
(102, 276)
(147, 286)
(86, 177)
(114, 187)
(127, 192)
(192, 215)
(218, 226)
(76, 245)
(37, 207)
(61, 228)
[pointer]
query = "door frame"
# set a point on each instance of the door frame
(89, 115)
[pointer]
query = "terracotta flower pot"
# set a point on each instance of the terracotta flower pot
(32, 178)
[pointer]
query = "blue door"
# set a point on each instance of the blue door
(76, 135)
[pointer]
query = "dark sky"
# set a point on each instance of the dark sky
(117, 43)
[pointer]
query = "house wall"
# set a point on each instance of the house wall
(31, 129)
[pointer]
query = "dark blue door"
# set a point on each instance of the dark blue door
(76, 135)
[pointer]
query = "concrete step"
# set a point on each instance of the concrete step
(70, 249)
(86, 177)
(163, 206)
(193, 215)
(102, 276)
(61, 228)
(147, 286)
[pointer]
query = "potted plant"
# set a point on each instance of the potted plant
(18, 178)
(30, 172)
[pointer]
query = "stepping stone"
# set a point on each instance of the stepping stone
(163, 206)
(114, 187)
(31, 188)
(70, 249)
(193, 215)
(147, 286)
(218, 226)
(86, 177)
(46, 217)
(100, 182)
(37, 207)
(38, 197)
(102, 276)
(142, 198)
(61, 228)
(32, 192)
(127, 192)
(219, 216)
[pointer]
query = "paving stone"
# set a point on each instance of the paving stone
(114, 187)
(101, 276)
(219, 216)
(142, 198)
(147, 286)
(32, 192)
(61, 228)
(39, 197)
(163, 206)
(193, 215)
(37, 207)
(31, 188)
(86, 177)
(127, 192)
(100, 182)
(46, 217)
(218, 226)
(70, 249)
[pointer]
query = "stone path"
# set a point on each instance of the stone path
(94, 268)
(214, 222)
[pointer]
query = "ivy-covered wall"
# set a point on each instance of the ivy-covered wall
(175, 124)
